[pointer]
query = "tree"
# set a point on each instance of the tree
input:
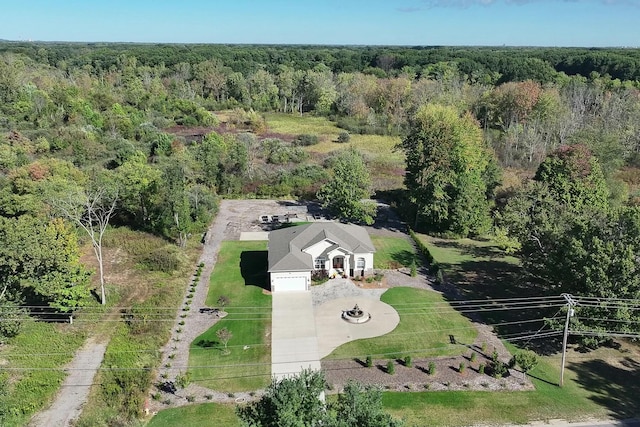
(526, 359)
(224, 335)
(446, 164)
(40, 263)
(573, 241)
(343, 195)
(91, 210)
(296, 402)
(291, 402)
(360, 405)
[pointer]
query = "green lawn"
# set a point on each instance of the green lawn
(392, 252)
(420, 311)
(461, 408)
(480, 270)
(240, 272)
(202, 415)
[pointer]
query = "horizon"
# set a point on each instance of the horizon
(99, 42)
(476, 23)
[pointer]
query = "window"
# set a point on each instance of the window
(319, 263)
(360, 264)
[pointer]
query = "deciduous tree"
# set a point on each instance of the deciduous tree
(446, 163)
(344, 194)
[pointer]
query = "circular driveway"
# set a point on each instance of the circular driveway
(332, 331)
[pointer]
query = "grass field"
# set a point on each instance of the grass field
(420, 311)
(239, 274)
(386, 163)
(392, 252)
(27, 391)
(202, 415)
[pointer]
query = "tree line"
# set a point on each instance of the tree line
(488, 64)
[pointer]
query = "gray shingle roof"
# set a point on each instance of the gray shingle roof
(286, 244)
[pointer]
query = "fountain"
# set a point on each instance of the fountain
(356, 315)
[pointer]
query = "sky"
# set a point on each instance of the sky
(590, 23)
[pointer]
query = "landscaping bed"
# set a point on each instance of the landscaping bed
(446, 376)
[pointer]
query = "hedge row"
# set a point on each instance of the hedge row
(433, 264)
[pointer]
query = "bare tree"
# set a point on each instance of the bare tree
(224, 335)
(91, 210)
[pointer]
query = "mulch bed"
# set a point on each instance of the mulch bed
(417, 378)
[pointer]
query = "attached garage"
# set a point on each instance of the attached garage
(291, 281)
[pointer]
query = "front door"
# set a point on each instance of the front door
(338, 263)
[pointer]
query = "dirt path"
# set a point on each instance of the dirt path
(75, 389)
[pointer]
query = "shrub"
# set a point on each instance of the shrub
(166, 259)
(407, 361)
(498, 369)
(344, 137)
(391, 367)
(319, 276)
(484, 347)
(439, 277)
(432, 368)
(208, 396)
(191, 398)
(414, 268)
(481, 368)
(369, 362)
(474, 356)
(305, 140)
(183, 380)
(462, 367)
(527, 360)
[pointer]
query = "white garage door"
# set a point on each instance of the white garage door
(290, 284)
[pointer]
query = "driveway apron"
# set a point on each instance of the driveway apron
(294, 345)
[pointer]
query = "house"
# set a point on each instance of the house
(337, 249)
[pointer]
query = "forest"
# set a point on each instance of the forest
(538, 148)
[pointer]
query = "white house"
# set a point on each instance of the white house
(338, 249)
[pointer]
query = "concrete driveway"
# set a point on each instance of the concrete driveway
(294, 343)
(333, 331)
(301, 335)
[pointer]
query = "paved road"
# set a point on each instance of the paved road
(75, 389)
(294, 345)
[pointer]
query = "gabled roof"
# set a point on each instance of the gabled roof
(287, 244)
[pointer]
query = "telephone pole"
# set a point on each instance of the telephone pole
(570, 304)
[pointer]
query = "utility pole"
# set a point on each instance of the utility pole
(570, 304)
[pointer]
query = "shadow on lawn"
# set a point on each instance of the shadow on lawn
(615, 388)
(253, 268)
(404, 257)
(489, 276)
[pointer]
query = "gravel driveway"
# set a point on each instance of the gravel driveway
(74, 391)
